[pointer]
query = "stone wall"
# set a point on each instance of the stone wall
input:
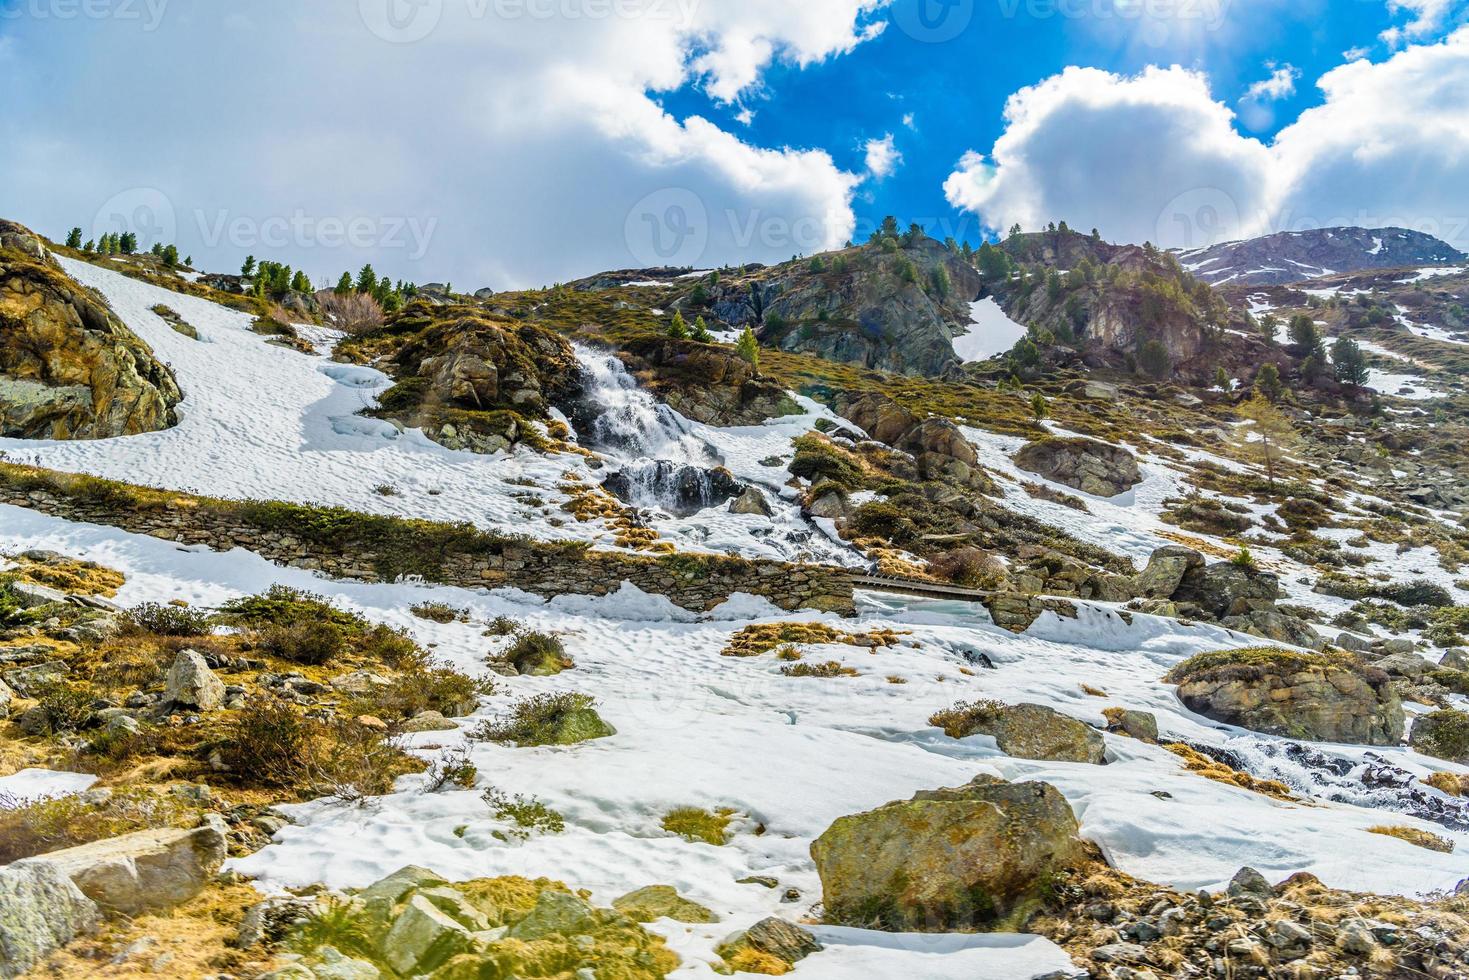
(695, 582)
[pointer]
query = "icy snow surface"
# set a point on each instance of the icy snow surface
(991, 332)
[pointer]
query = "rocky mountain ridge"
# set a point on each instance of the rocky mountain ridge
(1293, 256)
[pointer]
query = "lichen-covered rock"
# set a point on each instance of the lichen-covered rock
(192, 684)
(1027, 731)
(707, 383)
(146, 871)
(1227, 589)
(662, 902)
(1141, 725)
(771, 947)
(941, 450)
(69, 368)
(752, 502)
(1309, 696)
(41, 910)
(1166, 570)
(413, 923)
(973, 858)
(1443, 735)
(1092, 467)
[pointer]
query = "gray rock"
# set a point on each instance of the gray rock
(6, 697)
(32, 680)
(149, 870)
(1413, 666)
(1119, 953)
(1165, 572)
(192, 684)
(752, 501)
(1455, 659)
(41, 910)
(831, 505)
(1248, 881)
(30, 595)
(422, 938)
(429, 721)
(1284, 934)
(1354, 643)
(329, 964)
(1097, 468)
(556, 912)
(359, 682)
(782, 939)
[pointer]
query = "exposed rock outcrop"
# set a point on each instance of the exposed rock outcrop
(1307, 696)
(941, 450)
(475, 382)
(680, 489)
(1443, 735)
(1092, 467)
(40, 911)
(1026, 731)
(973, 858)
(149, 870)
(893, 306)
(69, 368)
(1296, 255)
(707, 383)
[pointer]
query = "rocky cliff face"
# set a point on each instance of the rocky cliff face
(472, 381)
(1113, 302)
(895, 308)
(1294, 256)
(707, 383)
(69, 369)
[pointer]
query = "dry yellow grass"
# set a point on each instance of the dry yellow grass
(1416, 837)
(1209, 768)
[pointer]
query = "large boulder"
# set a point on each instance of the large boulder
(1166, 570)
(1443, 735)
(192, 684)
(941, 450)
(1318, 697)
(146, 871)
(1227, 589)
(69, 368)
(41, 910)
(975, 858)
(1026, 731)
(1092, 467)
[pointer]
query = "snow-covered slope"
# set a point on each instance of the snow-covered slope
(787, 754)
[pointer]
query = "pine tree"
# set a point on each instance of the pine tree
(248, 269)
(701, 332)
(157, 249)
(128, 244)
(1267, 382)
(1267, 437)
(749, 348)
(300, 283)
(1038, 406)
(678, 329)
(1349, 362)
(1221, 378)
(1304, 334)
(74, 238)
(170, 254)
(1014, 230)
(90, 247)
(189, 262)
(367, 280)
(344, 284)
(1153, 359)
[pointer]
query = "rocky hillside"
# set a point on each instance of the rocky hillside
(69, 368)
(894, 304)
(1120, 306)
(1294, 256)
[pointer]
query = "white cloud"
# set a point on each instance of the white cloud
(1279, 84)
(1428, 18)
(882, 157)
(1150, 157)
(1156, 157)
(909, 121)
(536, 143)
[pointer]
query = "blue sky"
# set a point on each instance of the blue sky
(955, 89)
(523, 142)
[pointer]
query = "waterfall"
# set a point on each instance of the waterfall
(621, 419)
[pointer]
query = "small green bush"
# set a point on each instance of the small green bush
(964, 718)
(32, 827)
(68, 706)
(161, 620)
(545, 720)
(817, 459)
(538, 654)
(307, 642)
(698, 826)
(529, 814)
(438, 612)
(427, 688)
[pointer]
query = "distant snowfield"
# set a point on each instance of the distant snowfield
(991, 332)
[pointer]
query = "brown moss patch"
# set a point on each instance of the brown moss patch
(752, 641)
